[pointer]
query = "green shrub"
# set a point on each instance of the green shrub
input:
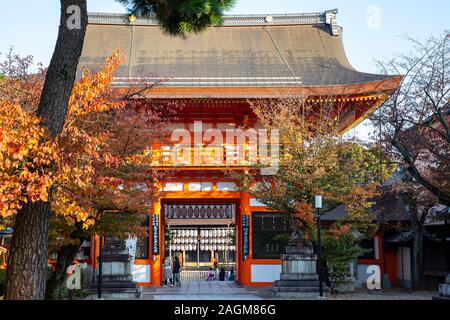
(339, 251)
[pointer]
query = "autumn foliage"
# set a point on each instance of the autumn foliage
(96, 165)
(23, 159)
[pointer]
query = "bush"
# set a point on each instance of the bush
(339, 251)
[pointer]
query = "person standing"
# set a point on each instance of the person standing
(231, 277)
(176, 272)
(222, 274)
(168, 277)
(211, 275)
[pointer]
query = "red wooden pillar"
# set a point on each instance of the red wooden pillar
(155, 261)
(244, 265)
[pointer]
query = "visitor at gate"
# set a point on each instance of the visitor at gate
(168, 272)
(231, 277)
(176, 272)
(222, 274)
(211, 275)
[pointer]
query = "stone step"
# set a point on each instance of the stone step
(299, 276)
(299, 283)
(119, 285)
(119, 293)
(115, 278)
(298, 289)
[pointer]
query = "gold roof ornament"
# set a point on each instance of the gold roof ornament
(132, 18)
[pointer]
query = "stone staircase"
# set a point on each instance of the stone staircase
(117, 279)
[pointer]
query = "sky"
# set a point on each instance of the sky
(373, 29)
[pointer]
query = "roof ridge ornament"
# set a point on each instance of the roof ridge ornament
(327, 17)
(331, 20)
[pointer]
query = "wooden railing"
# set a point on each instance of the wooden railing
(224, 156)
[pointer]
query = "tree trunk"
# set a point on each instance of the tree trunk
(63, 66)
(26, 276)
(57, 281)
(27, 264)
(417, 256)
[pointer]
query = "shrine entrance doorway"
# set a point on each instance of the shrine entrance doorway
(202, 236)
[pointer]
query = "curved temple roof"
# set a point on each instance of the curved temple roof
(278, 51)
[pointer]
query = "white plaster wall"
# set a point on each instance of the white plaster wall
(141, 273)
(173, 186)
(376, 247)
(361, 275)
(255, 203)
(265, 272)
(404, 265)
(200, 186)
(226, 186)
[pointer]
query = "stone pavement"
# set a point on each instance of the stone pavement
(201, 290)
(391, 294)
(217, 290)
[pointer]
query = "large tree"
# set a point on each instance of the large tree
(316, 160)
(100, 161)
(104, 170)
(415, 122)
(414, 127)
(28, 259)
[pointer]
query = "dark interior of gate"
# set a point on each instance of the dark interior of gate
(202, 236)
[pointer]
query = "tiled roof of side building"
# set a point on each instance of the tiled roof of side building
(295, 50)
